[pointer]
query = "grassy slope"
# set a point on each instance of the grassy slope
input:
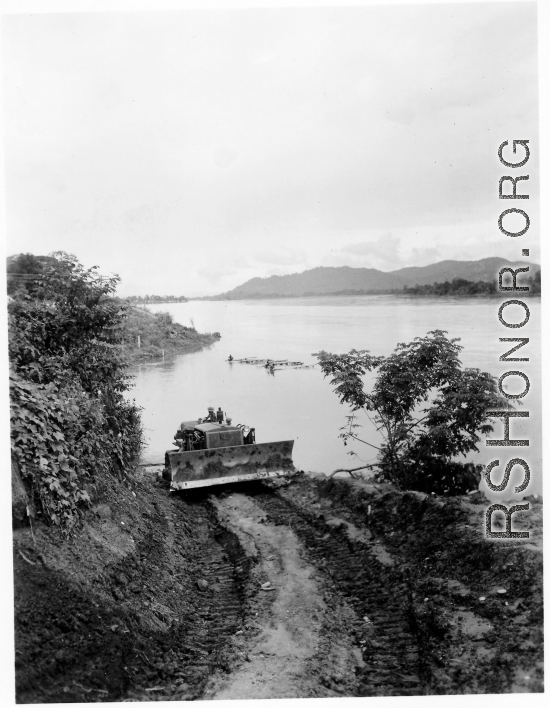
(159, 333)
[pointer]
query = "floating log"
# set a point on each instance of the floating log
(279, 363)
(263, 362)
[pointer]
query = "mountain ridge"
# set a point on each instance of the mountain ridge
(333, 280)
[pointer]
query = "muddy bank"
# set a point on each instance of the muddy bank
(320, 588)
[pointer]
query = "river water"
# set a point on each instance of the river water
(300, 404)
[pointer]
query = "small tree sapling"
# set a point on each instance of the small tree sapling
(428, 409)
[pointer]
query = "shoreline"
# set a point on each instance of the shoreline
(410, 296)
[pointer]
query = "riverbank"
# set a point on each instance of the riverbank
(151, 335)
(409, 293)
(159, 596)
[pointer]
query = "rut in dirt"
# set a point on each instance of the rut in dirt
(180, 599)
(378, 593)
(186, 658)
(161, 635)
(296, 642)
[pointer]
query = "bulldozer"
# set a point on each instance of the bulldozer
(212, 452)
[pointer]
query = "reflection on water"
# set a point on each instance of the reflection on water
(298, 403)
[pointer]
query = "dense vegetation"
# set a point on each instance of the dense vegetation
(428, 409)
(70, 422)
(535, 284)
(24, 268)
(457, 286)
(460, 286)
(147, 299)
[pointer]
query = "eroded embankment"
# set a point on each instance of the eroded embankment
(320, 588)
(139, 604)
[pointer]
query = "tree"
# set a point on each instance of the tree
(534, 283)
(23, 269)
(427, 408)
(69, 326)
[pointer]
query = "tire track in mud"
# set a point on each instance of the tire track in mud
(378, 593)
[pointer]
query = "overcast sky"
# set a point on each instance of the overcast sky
(190, 151)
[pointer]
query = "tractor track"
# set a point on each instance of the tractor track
(201, 643)
(181, 605)
(375, 591)
(159, 596)
(378, 594)
(153, 626)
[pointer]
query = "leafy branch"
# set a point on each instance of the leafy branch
(426, 406)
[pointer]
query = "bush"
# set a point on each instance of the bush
(419, 443)
(70, 421)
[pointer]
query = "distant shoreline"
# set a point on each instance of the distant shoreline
(447, 277)
(352, 293)
(143, 303)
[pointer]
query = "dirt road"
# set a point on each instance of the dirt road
(293, 645)
(316, 589)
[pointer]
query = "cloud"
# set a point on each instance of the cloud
(386, 247)
(383, 253)
(403, 115)
(423, 256)
(224, 156)
(281, 257)
(206, 146)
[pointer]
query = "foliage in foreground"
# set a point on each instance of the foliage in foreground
(427, 408)
(70, 422)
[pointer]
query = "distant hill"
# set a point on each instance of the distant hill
(346, 280)
(485, 269)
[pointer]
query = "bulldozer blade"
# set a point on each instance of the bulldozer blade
(223, 465)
